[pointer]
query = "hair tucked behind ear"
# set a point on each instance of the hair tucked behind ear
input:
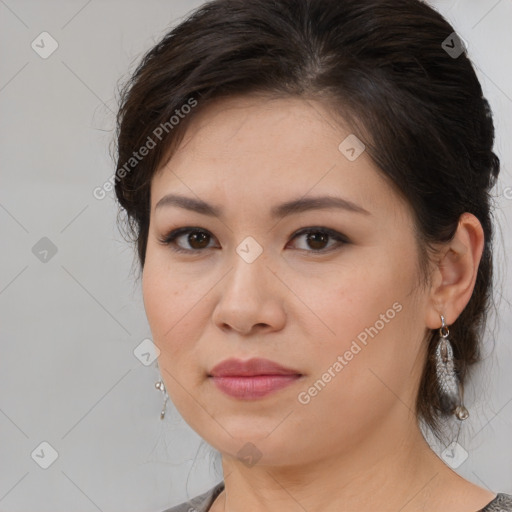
(381, 66)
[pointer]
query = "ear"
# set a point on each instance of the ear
(454, 275)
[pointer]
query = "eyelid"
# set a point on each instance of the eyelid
(171, 236)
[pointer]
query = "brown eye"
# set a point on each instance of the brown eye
(316, 239)
(198, 239)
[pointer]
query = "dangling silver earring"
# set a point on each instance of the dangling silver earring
(161, 386)
(451, 396)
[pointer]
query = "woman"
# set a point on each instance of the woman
(308, 186)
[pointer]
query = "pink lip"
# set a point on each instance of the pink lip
(251, 379)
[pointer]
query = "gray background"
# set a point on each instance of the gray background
(71, 321)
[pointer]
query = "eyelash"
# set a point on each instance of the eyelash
(170, 238)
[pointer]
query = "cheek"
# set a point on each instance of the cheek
(177, 310)
(364, 313)
(173, 322)
(165, 303)
(348, 300)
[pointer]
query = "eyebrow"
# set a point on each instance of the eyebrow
(280, 211)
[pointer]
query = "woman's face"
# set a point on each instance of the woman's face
(263, 279)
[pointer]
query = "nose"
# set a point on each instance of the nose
(250, 299)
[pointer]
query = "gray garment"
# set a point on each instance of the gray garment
(202, 503)
(502, 503)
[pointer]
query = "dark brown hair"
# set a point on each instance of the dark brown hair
(386, 66)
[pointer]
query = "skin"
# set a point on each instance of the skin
(356, 445)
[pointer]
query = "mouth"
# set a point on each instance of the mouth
(252, 379)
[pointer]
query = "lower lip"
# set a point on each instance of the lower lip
(250, 388)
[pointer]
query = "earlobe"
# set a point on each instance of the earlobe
(455, 273)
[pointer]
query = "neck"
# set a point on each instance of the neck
(393, 470)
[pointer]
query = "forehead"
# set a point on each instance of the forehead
(256, 125)
(255, 148)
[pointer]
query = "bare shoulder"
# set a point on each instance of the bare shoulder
(450, 491)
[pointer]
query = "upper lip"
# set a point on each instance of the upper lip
(256, 366)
